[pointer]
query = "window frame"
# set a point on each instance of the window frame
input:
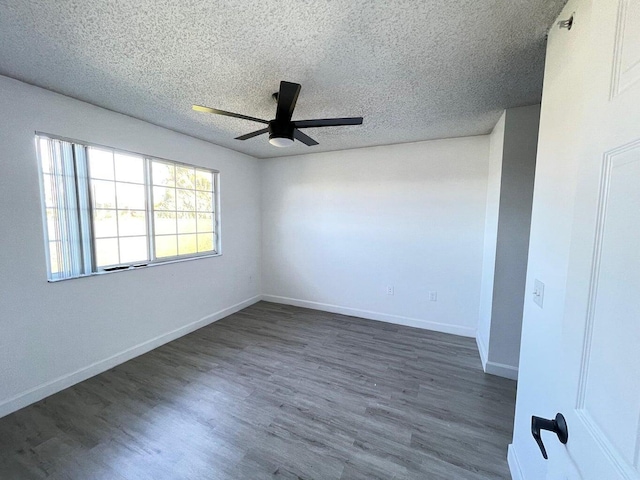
(84, 182)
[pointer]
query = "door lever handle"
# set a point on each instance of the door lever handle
(557, 426)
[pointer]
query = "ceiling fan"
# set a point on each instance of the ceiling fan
(282, 130)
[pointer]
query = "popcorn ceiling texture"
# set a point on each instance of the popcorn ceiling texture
(415, 70)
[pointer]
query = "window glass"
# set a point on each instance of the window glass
(187, 244)
(164, 174)
(166, 246)
(130, 196)
(205, 242)
(107, 252)
(129, 168)
(101, 163)
(105, 223)
(189, 204)
(187, 222)
(133, 249)
(164, 198)
(165, 223)
(119, 207)
(103, 194)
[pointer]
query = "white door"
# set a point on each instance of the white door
(599, 394)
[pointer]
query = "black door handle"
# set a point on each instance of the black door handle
(557, 426)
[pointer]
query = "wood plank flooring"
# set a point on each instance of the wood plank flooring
(275, 391)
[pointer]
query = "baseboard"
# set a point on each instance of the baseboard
(514, 464)
(501, 370)
(482, 350)
(41, 391)
(494, 368)
(381, 317)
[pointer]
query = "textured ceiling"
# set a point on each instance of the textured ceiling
(415, 70)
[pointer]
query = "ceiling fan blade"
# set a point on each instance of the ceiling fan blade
(306, 139)
(327, 122)
(287, 98)
(252, 134)
(200, 108)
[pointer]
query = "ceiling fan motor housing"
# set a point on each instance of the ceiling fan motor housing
(280, 130)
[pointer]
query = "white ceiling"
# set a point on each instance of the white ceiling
(415, 70)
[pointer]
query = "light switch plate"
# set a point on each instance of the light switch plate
(538, 292)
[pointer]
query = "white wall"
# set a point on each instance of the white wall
(513, 145)
(55, 334)
(496, 147)
(516, 196)
(339, 227)
(551, 225)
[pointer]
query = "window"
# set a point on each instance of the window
(110, 210)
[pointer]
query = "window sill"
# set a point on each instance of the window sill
(157, 263)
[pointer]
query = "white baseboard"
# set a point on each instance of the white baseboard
(494, 368)
(382, 317)
(514, 464)
(501, 370)
(41, 391)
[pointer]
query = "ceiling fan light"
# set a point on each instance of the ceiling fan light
(281, 141)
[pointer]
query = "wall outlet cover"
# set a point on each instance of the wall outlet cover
(538, 292)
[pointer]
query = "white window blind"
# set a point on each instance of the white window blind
(62, 209)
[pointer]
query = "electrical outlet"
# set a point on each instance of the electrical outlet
(389, 289)
(538, 292)
(433, 296)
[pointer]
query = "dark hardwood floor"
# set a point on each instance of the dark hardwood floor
(275, 391)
